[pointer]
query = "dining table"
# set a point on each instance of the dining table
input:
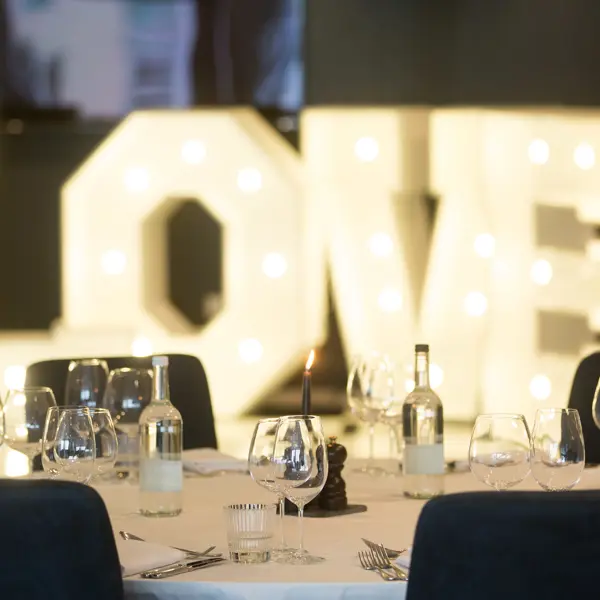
(390, 519)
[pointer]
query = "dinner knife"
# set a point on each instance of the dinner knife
(180, 568)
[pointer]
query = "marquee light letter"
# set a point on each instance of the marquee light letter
(513, 163)
(114, 212)
(370, 167)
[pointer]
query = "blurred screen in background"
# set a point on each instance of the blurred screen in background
(104, 58)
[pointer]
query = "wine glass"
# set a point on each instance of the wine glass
(86, 382)
(69, 447)
(300, 469)
(557, 448)
(24, 418)
(499, 452)
(261, 467)
(375, 384)
(106, 442)
(128, 392)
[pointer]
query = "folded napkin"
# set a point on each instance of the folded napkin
(136, 557)
(403, 561)
(208, 460)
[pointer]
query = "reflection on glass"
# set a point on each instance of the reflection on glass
(558, 453)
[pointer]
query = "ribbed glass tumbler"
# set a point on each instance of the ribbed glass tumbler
(250, 531)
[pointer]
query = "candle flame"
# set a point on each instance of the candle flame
(311, 359)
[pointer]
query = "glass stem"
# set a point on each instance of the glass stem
(301, 527)
(393, 443)
(371, 444)
(281, 515)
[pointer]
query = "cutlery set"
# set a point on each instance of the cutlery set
(377, 558)
(194, 560)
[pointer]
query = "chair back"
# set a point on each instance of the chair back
(582, 398)
(500, 545)
(187, 379)
(57, 543)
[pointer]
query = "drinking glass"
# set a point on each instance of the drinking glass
(250, 531)
(69, 447)
(106, 442)
(596, 405)
(375, 384)
(300, 459)
(558, 451)
(128, 392)
(24, 418)
(499, 452)
(261, 467)
(86, 382)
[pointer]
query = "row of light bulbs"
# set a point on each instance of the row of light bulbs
(251, 350)
(114, 262)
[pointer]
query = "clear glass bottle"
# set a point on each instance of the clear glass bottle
(423, 429)
(161, 444)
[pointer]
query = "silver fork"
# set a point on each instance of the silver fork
(391, 553)
(126, 535)
(366, 562)
(382, 560)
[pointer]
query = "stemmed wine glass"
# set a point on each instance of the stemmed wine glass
(557, 447)
(261, 467)
(24, 418)
(86, 382)
(301, 466)
(128, 392)
(375, 385)
(69, 447)
(499, 452)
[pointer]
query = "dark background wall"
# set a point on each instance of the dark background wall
(453, 51)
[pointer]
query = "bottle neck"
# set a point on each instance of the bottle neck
(422, 370)
(160, 389)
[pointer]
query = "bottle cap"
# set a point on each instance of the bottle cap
(422, 348)
(160, 361)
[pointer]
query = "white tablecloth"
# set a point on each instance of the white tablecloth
(390, 519)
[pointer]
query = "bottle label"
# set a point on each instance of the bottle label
(423, 459)
(158, 475)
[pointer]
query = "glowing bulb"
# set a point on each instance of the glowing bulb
(16, 464)
(436, 375)
(193, 152)
(274, 265)
(141, 346)
(14, 376)
(539, 152)
(541, 272)
(584, 157)
(390, 300)
(19, 400)
(137, 179)
(475, 304)
(21, 432)
(249, 180)
(484, 245)
(381, 245)
(250, 350)
(366, 149)
(540, 387)
(113, 262)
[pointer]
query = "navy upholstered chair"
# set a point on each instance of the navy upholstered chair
(189, 390)
(500, 545)
(581, 398)
(56, 543)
